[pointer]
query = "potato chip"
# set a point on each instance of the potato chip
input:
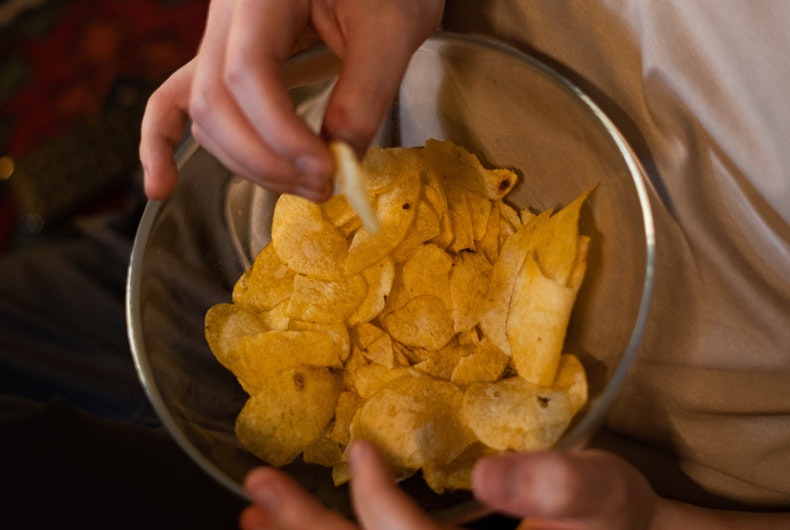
(324, 452)
(462, 168)
(463, 230)
(414, 421)
(539, 313)
(265, 355)
(341, 215)
(319, 300)
(380, 351)
(496, 304)
(515, 415)
(540, 307)
(425, 228)
(226, 327)
(378, 279)
(468, 285)
(442, 363)
(367, 378)
(337, 331)
(556, 243)
(352, 183)
(365, 333)
(423, 322)
(347, 405)
(396, 209)
(572, 378)
(427, 272)
(488, 245)
(384, 168)
(305, 241)
(486, 364)
(290, 412)
(267, 283)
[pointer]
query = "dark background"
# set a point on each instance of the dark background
(74, 78)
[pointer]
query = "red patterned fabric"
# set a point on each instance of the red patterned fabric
(59, 61)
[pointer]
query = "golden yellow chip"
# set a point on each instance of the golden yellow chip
(426, 227)
(226, 327)
(290, 413)
(351, 181)
(572, 378)
(468, 286)
(461, 168)
(337, 331)
(514, 415)
(414, 421)
(427, 272)
(486, 364)
(378, 279)
(539, 313)
(366, 378)
(396, 209)
(267, 283)
(442, 363)
(423, 322)
(496, 304)
(324, 452)
(305, 241)
(347, 405)
(341, 215)
(556, 243)
(320, 300)
(463, 231)
(265, 355)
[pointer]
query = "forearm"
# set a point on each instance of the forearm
(678, 516)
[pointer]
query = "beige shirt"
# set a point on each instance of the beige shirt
(702, 91)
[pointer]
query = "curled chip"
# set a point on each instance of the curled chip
(416, 309)
(351, 181)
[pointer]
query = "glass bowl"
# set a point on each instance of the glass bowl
(506, 107)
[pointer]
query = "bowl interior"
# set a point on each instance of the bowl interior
(506, 107)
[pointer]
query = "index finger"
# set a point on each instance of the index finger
(378, 502)
(262, 37)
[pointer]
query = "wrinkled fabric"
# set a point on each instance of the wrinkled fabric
(699, 90)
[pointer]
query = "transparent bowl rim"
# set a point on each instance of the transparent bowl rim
(586, 425)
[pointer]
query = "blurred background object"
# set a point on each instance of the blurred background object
(74, 79)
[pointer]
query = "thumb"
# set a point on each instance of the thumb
(592, 486)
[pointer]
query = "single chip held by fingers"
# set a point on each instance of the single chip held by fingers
(351, 182)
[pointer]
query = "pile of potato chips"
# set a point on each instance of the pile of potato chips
(436, 332)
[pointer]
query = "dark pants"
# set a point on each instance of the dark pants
(80, 446)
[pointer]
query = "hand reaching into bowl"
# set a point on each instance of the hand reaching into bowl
(585, 489)
(241, 111)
